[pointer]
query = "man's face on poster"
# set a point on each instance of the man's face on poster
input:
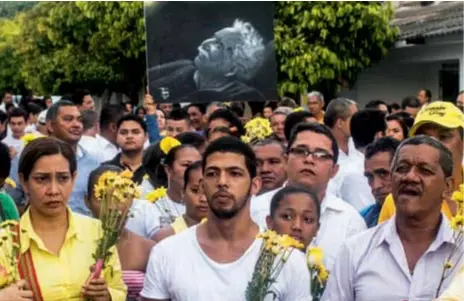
(215, 54)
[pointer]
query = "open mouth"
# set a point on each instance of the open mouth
(410, 191)
(307, 172)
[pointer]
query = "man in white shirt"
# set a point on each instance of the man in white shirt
(403, 258)
(338, 118)
(88, 140)
(354, 187)
(106, 140)
(17, 122)
(215, 260)
(312, 156)
(7, 98)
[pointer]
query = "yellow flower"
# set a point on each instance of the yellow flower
(458, 196)
(146, 177)
(203, 220)
(457, 222)
(26, 139)
(448, 265)
(126, 174)
(10, 182)
(257, 129)
(156, 194)
(315, 256)
(323, 274)
(168, 143)
(298, 109)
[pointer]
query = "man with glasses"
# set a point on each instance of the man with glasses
(311, 163)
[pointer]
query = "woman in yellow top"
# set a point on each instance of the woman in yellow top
(196, 206)
(57, 244)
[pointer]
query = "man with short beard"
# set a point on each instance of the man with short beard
(215, 260)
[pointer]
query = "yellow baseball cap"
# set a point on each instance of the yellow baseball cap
(442, 113)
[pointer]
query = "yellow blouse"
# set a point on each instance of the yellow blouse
(62, 276)
(455, 291)
(389, 209)
(179, 224)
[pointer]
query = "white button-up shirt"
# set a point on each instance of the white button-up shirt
(372, 267)
(107, 150)
(339, 221)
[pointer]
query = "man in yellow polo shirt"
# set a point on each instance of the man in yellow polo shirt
(445, 122)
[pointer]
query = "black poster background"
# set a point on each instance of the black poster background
(176, 29)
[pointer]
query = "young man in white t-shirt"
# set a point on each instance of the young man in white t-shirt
(215, 260)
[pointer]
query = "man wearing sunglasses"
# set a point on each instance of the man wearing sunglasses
(311, 162)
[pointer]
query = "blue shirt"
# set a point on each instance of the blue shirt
(371, 215)
(85, 164)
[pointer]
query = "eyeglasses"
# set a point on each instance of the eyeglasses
(320, 155)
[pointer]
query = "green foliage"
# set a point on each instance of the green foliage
(321, 42)
(11, 8)
(62, 46)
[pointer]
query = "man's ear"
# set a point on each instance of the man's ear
(448, 191)
(255, 185)
(113, 127)
(49, 126)
(334, 170)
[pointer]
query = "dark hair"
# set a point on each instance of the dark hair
(199, 106)
(110, 114)
(5, 161)
(179, 114)
(195, 165)
(402, 123)
(17, 112)
(191, 138)
(52, 112)
(235, 146)
(219, 129)
(293, 119)
(45, 146)
(78, 97)
(445, 156)
(407, 118)
(237, 108)
(393, 106)
(373, 104)
(382, 145)
(96, 174)
(365, 124)
(318, 129)
(428, 93)
(3, 116)
(411, 102)
(141, 108)
(338, 108)
(132, 117)
(270, 141)
(230, 117)
(289, 190)
(152, 158)
(89, 119)
(33, 108)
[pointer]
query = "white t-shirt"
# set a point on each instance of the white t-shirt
(148, 218)
(179, 270)
(11, 141)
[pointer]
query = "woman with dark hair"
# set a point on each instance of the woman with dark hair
(195, 203)
(56, 244)
(295, 211)
(133, 250)
(141, 112)
(169, 173)
(396, 127)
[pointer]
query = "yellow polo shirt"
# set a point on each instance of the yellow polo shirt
(388, 209)
(62, 276)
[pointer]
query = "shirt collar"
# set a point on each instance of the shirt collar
(30, 235)
(444, 235)
(331, 202)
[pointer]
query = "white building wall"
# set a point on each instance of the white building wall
(405, 70)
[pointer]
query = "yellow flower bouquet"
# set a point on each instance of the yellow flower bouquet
(318, 272)
(257, 129)
(275, 251)
(11, 251)
(157, 197)
(457, 225)
(116, 192)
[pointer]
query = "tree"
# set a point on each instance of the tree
(321, 43)
(94, 45)
(9, 9)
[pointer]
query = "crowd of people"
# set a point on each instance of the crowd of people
(372, 187)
